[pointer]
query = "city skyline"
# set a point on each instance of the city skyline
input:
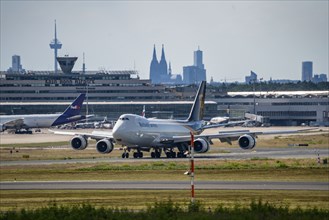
(270, 38)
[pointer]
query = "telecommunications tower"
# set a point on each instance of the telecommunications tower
(55, 44)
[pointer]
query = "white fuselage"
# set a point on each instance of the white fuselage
(137, 131)
(32, 121)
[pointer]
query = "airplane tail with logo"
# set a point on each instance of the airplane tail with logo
(72, 113)
(75, 107)
(197, 109)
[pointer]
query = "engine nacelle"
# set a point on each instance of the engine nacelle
(201, 145)
(247, 142)
(79, 143)
(104, 146)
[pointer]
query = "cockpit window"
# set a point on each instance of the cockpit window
(124, 119)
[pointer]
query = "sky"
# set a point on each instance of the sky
(271, 38)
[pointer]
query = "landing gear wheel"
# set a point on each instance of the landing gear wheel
(171, 154)
(153, 154)
(138, 154)
(125, 155)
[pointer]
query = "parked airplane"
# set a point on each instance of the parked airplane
(26, 122)
(138, 133)
(218, 120)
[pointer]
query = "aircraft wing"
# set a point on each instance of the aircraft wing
(97, 135)
(14, 123)
(229, 136)
(231, 123)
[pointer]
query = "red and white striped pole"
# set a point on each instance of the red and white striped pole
(192, 167)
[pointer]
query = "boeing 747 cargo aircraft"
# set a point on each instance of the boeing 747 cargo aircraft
(140, 134)
(26, 122)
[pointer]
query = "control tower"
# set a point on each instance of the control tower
(55, 44)
(67, 63)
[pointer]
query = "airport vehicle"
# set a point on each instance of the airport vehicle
(23, 123)
(138, 133)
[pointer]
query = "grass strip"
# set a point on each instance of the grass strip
(140, 199)
(255, 169)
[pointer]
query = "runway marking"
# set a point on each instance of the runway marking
(162, 185)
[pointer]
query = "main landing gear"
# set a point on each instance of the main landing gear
(125, 155)
(172, 154)
(156, 154)
(138, 154)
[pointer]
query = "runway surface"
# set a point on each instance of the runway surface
(235, 154)
(162, 185)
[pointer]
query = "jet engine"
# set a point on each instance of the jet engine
(104, 146)
(247, 142)
(201, 145)
(79, 143)
(2, 127)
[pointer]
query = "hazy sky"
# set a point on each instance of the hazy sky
(272, 38)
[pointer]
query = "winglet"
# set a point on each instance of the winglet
(197, 109)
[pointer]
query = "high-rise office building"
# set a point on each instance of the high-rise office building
(196, 73)
(307, 71)
(16, 65)
(198, 58)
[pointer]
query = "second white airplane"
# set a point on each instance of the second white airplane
(138, 133)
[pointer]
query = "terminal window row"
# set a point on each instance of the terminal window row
(287, 113)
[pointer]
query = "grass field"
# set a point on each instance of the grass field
(253, 169)
(139, 199)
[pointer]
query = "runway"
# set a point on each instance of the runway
(162, 185)
(234, 154)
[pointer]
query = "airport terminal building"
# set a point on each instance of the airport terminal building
(111, 93)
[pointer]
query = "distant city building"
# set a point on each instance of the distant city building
(159, 71)
(319, 78)
(196, 73)
(307, 71)
(252, 78)
(16, 65)
(282, 81)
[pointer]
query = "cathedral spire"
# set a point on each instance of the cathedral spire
(169, 69)
(154, 54)
(163, 67)
(163, 54)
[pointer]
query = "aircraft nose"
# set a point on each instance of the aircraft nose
(116, 132)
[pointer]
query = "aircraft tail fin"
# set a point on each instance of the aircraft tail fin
(197, 109)
(72, 113)
(75, 107)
